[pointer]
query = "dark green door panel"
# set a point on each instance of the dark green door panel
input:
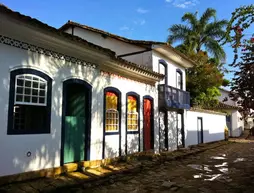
(74, 144)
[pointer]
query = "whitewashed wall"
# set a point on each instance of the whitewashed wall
(213, 127)
(119, 47)
(45, 148)
(172, 67)
(237, 124)
(172, 130)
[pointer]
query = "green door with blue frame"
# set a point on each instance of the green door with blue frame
(75, 123)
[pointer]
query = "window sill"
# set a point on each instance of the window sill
(132, 132)
(27, 133)
(112, 133)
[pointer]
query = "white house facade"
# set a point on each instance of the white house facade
(235, 121)
(66, 100)
(78, 93)
(161, 58)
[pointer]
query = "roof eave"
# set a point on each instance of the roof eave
(174, 55)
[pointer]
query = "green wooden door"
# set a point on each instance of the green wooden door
(74, 139)
(75, 125)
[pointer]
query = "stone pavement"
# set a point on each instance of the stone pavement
(227, 168)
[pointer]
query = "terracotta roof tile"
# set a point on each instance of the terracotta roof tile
(75, 24)
(137, 42)
(222, 105)
(36, 23)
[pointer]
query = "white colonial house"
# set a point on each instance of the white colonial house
(235, 121)
(179, 126)
(78, 93)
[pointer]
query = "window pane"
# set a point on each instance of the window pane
(20, 82)
(27, 91)
(35, 92)
(42, 100)
(42, 85)
(111, 120)
(35, 78)
(29, 118)
(27, 99)
(34, 99)
(19, 98)
(42, 92)
(20, 90)
(35, 84)
(28, 83)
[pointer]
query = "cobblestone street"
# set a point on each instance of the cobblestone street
(228, 168)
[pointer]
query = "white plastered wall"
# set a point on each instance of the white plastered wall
(119, 47)
(172, 67)
(213, 127)
(237, 124)
(45, 148)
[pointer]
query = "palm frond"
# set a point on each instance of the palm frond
(215, 48)
(191, 18)
(207, 15)
(216, 29)
(178, 32)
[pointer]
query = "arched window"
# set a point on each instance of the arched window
(29, 102)
(132, 112)
(112, 110)
(163, 69)
(179, 79)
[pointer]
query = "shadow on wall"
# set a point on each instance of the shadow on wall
(45, 148)
(191, 137)
(38, 151)
(172, 131)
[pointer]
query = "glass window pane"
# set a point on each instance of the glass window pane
(19, 90)
(34, 99)
(20, 82)
(35, 92)
(28, 83)
(19, 98)
(42, 85)
(35, 85)
(35, 78)
(27, 91)
(42, 92)
(41, 100)
(27, 99)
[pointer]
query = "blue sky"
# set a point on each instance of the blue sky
(136, 19)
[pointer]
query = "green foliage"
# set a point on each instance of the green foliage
(208, 97)
(198, 33)
(243, 82)
(241, 19)
(204, 79)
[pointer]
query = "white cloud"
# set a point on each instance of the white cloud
(142, 11)
(183, 3)
(124, 28)
(140, 22)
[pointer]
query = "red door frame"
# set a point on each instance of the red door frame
(148, 136)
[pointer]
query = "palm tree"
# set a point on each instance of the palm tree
(200, 33)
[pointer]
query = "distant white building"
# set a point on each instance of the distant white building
(235, 120)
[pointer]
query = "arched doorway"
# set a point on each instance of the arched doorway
(148, 130)
(76, 121)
